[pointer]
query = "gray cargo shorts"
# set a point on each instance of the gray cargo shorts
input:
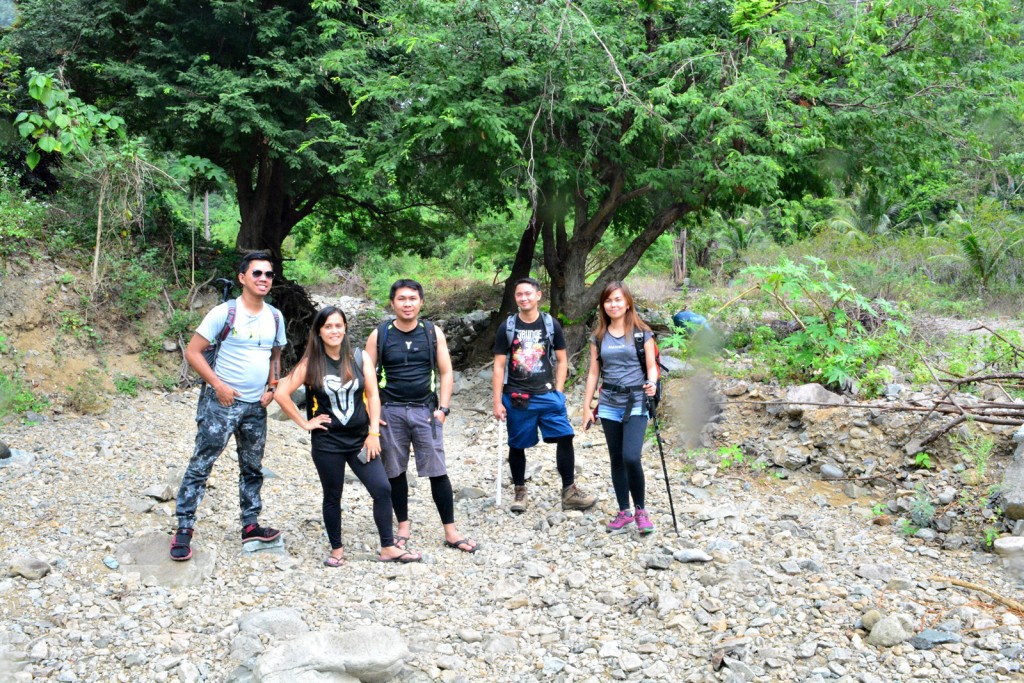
(410, 425)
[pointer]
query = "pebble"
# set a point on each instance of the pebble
(758, 571)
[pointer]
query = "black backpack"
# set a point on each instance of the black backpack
(382, 337)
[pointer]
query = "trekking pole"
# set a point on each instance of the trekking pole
(664, 469)
(497, 494)
(226, 286)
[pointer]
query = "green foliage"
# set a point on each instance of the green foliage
(67, 125)
(923, 460)
(21, 218)
(17, 395)
(922, 510)
(86, 395)
(729, 456)
(907, 527)
(127, 385)
(840, 334)
(989, 536)
(976, 450)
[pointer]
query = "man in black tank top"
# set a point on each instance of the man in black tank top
(414, 371)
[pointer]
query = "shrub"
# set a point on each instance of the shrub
(86, 395)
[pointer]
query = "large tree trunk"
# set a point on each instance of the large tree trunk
(482, 350)
(268, 215)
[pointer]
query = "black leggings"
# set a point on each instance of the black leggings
(440, 491)
(330, 465)
(565, 462)
(625, 441)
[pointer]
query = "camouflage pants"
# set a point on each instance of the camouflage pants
(215, 425)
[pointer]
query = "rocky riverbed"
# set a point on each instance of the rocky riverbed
(767, 579)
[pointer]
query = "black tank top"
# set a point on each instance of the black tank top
(345, 403)
(406, 364)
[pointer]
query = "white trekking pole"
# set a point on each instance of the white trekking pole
(497, 492)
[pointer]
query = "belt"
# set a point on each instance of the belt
(622, 390)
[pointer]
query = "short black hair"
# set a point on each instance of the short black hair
(405, 283)
(526, 281)
(243, 265)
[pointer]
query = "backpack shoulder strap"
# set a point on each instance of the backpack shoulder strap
(382, 337)
(641, 351)
(431, 332)
(230, 321)
(277, 322)
(510, 330)
(357, 361)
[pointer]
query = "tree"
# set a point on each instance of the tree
(237, 82)
(627, 116)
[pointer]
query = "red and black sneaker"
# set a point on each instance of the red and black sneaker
(255, 532)
(181, 545)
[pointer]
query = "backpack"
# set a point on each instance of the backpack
(211, 352)
(641, 355)
(382, 337)
(549, 339)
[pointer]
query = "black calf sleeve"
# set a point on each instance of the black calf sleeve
(441, 491)
(565, 461)
(400, 497)
(517, 463)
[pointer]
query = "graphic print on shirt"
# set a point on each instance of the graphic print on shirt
(528, 352)
(343, 397)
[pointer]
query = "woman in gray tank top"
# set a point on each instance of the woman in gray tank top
(622, 406)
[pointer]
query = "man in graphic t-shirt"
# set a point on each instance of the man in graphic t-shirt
(528, 394)
(234, 399)
(416, 381)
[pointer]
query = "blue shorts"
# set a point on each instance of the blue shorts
(546, 411)
(618, 414)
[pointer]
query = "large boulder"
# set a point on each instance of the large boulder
(371, 654)
(148, 555)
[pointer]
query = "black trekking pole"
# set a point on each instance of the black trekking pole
(226, 286)
(664, 469)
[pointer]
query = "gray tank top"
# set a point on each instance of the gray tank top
(620, 367)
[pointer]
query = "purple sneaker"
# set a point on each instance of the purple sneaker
(643, 522)
(621, 521)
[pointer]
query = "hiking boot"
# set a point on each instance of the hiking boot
(255, 532)
(643, 522)
(574, 498)
(181, 545)
(519, 504)
(621, 521)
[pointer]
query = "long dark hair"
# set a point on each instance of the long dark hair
(316, 365)
(633, 321)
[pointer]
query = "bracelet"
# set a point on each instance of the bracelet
(271, 389)
(374, 433)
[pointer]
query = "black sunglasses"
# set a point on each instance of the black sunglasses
(260, 273)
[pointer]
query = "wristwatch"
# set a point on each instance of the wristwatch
(446, 411)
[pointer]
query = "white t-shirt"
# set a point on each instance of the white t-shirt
(243, 361)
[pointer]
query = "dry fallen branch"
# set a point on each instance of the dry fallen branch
(1012, 604)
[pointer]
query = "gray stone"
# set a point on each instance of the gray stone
(947, 495)
(737, 389)
(18, 458)
(927, 535)
(470, 493)
(891, 630)
(170, 345)
(630, 662)
(275, 547)
(370, 654)
(894, 390)
(691, 555)
(162, 492)
(1012, 488)
(656, 561)
(500, 644)
(803, 398)
(470, 635)
(870, 618)
(673, 366)
(854, 492)
(1009, 546)
(148, 555)
(831, 472)
(29, 568)
(280, 623)
(874, 572)
(929, 638)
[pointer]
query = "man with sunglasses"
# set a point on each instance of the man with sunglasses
(238, 385)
